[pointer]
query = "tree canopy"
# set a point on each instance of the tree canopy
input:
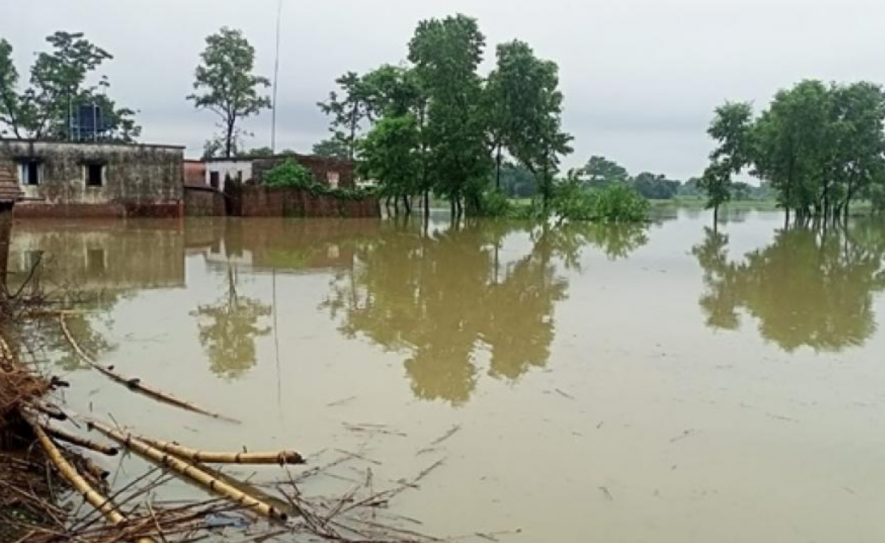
(224, 84)
(461, 126)
(59, 84)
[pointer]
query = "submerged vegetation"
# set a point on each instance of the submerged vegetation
(821, 147)
(436, 126)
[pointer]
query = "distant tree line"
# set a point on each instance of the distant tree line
(818, 146)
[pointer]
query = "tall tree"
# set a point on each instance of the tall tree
(224, 82)
(347, 110)
(446, 54)
(858, 116)
(531, 117)
(731, 128)
(792, 144)
(58, 86)
(391, 155)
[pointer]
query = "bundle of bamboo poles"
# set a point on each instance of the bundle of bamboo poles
(186, 463)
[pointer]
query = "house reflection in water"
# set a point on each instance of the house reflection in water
(98, 256)
(230, 326)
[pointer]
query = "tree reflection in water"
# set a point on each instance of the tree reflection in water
(229, 328)
(448, 301)
(811, 287)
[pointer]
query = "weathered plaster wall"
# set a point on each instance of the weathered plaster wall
(137, 180)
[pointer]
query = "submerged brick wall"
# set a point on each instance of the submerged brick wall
(204, 202)
(259, 201)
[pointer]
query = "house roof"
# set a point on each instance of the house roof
(9, 189)
(93, 143)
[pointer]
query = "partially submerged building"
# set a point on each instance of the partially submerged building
(61, 179)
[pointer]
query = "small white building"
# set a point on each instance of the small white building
(219, 170)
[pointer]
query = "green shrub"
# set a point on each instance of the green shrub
(293, 175)
(289, 174)
(496, 204)
(619, 203)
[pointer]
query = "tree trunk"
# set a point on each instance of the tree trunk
(407, 204)
(498, 169)
(715, 217)
(426, 203)
(229, 138)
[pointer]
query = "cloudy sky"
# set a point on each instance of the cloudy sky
(640, 77)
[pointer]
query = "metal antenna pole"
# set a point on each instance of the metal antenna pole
(276, 70)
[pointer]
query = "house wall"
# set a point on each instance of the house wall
(195, 173)
(204, 202)
(261, 201)
(324, 169)
(232, 169)
(137, 180)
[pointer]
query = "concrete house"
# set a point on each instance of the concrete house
(73, 179)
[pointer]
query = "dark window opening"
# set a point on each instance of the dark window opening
(95, 261)
(31, 172)
(213, 180)
(94, 175)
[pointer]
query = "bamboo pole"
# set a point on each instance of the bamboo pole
(194, 455)
(134, 383)
(102, 504)
(191, 472)
(80, 441)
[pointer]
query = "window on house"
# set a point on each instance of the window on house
(333, 178)
(96, 262)
(31, 171)
(214, 179)
(94, 175)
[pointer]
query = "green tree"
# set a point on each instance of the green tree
(58, 86)
(792, 145)
(391, 156)
(601, 172)
(527, 111)
(331, 148)
(347, 110)
(858, 115)
(731, 128)
(224, 83)
(446, 54)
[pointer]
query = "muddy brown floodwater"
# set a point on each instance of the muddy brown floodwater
(666, 384)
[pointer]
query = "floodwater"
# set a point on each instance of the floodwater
(664, 383)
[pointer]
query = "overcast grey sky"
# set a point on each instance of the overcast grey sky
(640, 77)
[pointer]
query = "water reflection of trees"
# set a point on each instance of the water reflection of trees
(450, 301)
(810, 287)
(229, 328)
